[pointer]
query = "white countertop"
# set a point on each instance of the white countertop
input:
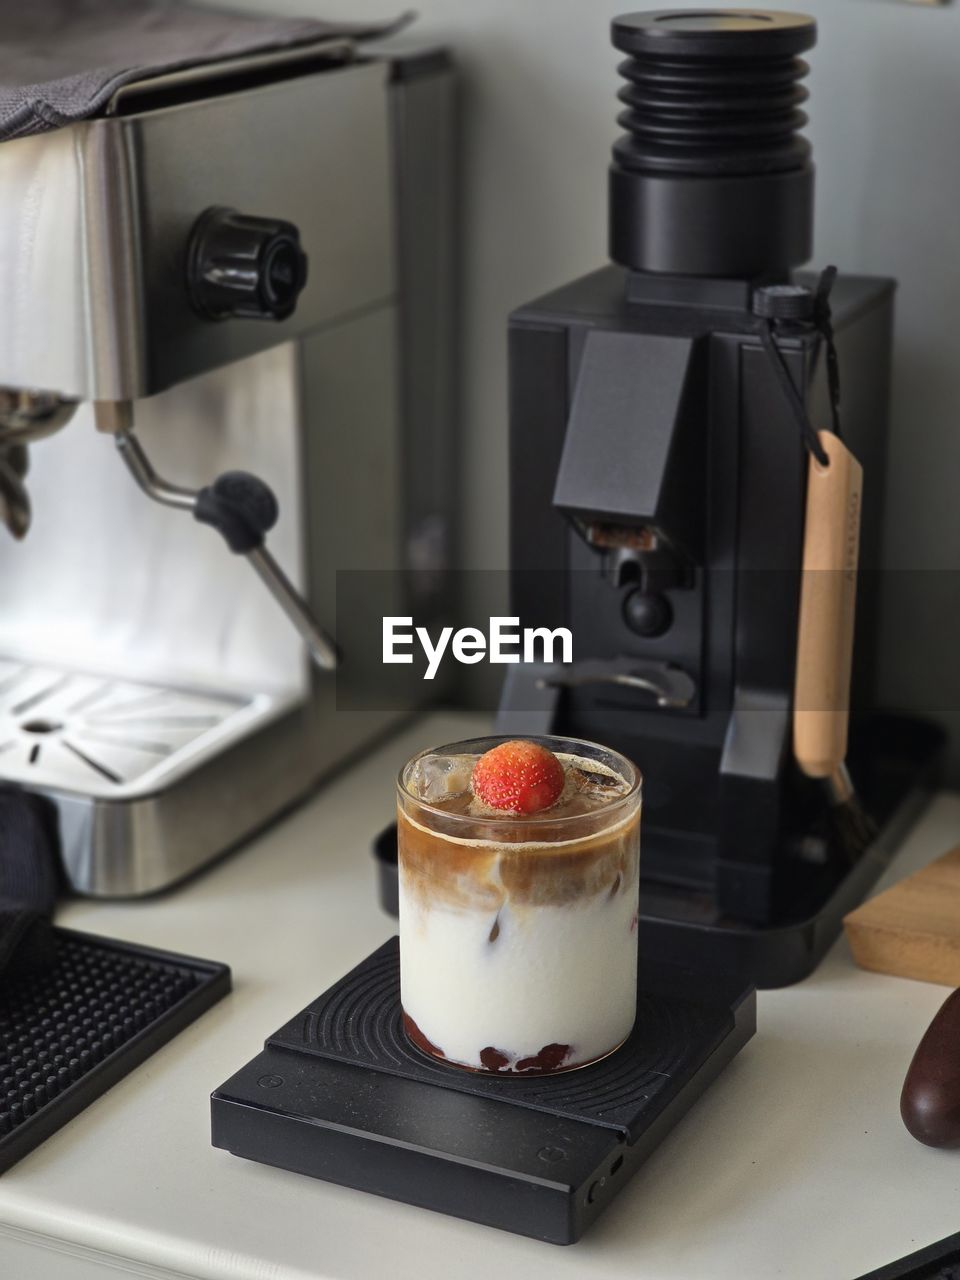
(794, 1164)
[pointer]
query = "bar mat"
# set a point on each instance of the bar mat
(68, 1034)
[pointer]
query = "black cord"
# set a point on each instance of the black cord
(823, 319)
(823, 322)
(794, 399)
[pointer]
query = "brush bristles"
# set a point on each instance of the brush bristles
(855, 829)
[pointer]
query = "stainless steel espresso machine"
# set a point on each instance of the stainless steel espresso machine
(229, 296)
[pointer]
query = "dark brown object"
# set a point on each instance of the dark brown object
(930, 1102)
(550, 1059)
(417, 1037)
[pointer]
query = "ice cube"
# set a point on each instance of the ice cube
(598, 782)
(437, 778)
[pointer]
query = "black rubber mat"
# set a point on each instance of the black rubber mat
(359, 1021)
(69, 1034)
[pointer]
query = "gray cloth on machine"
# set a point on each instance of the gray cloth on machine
(62, 60)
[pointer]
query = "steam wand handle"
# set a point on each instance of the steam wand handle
(323, 649)
(242, 508)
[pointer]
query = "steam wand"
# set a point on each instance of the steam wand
(241, 507)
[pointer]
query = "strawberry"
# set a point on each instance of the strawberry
(519, 777)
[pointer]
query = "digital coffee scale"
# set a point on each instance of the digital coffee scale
(341, 1094)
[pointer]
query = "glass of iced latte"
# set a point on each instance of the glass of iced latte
(518, 903)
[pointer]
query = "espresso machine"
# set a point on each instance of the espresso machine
(658, 481)
(228, 295)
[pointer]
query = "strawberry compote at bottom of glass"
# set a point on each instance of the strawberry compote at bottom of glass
(518, 932)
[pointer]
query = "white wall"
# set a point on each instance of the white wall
(539, 107)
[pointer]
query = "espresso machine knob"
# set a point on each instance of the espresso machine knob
(238, 265)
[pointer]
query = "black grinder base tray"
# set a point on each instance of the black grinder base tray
(340, 1093)
(69, 1033)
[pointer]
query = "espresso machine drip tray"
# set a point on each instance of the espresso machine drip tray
(341, 1094)
(69, 731)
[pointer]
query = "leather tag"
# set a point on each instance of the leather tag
(828, 593)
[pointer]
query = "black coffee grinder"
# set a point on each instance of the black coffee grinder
(658, 481)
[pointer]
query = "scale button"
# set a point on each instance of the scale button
(551, 1155)
(270, 1082)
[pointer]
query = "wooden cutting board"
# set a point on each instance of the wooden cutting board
(913, 929)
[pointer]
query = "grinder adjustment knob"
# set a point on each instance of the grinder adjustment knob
(648, 614)
(794, 302)
(238, 265)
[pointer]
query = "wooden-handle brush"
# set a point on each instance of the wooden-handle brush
(828, 592)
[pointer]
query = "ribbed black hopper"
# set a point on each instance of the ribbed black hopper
(712, 177)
